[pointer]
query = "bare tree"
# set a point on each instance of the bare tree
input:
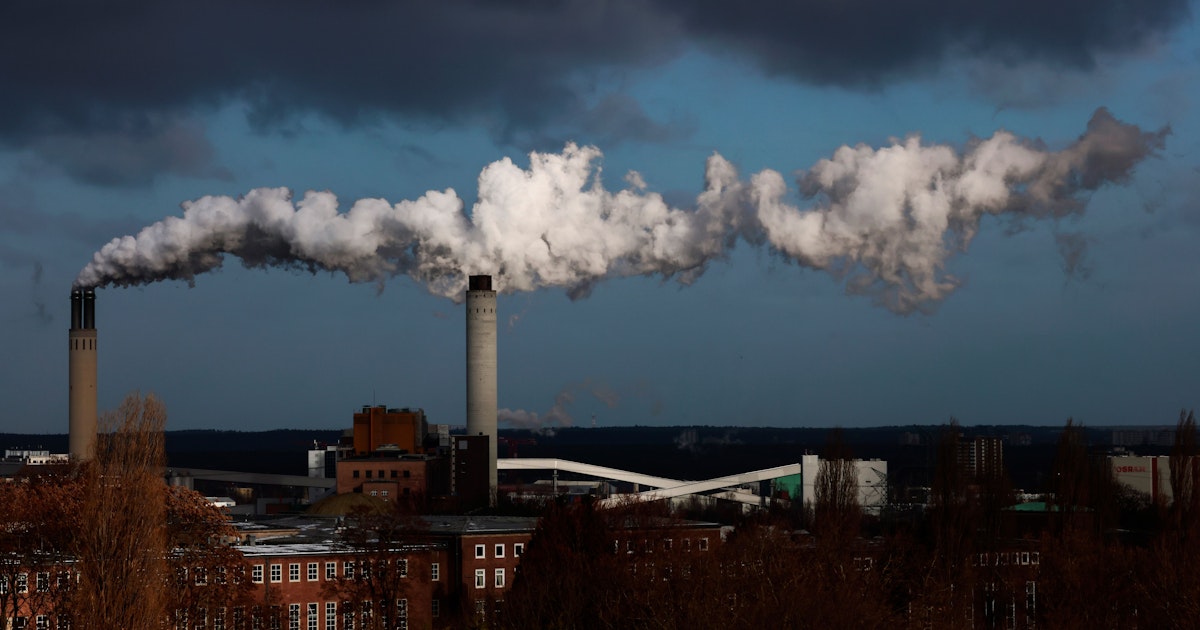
(121, 545)
(836, 513)
(1184, 513)
(387, 565)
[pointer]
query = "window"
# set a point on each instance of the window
(313, 573)
(402, 608)
(374, 493)
(22, 582)
(221, 575)
(500, 550)
(703, 546)
(219, 619)
(499, 578)
(383, 493)
(330, 570)
(43, 582)
(348, 570)
(435, 572)
(293, 616)
(312, 617)
(435, 608)
(41, 622)
(480, 578)
(480, 551)
(276, 572)
(394, 474)
(294, 572)
(256, 574)
(402, 567)
(330, 616)
(356, 474)
(201, 575)
(518, 549)
(369, 474)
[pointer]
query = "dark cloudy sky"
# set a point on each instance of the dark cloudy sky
(115, 112)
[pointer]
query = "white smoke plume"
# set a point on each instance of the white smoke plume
(889, 218)
(559, 415)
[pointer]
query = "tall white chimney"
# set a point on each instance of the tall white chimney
(481, 368)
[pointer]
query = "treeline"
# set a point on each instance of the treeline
(1093, 554)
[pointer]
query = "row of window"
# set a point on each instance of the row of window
(395, 473)
(647, 546)
(41, 622)
(299, 617)
(313, 571)
(498, 550)
(481, 578)
(1007, 557)
(41, 582)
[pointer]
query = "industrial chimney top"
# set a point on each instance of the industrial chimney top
(479, 283)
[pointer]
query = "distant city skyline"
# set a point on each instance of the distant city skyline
(1051, 314)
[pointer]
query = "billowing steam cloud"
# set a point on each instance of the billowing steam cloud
(887, 217)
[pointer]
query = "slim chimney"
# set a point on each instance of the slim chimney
(481, 368)
(82, 375)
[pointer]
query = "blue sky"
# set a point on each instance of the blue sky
(107, 132)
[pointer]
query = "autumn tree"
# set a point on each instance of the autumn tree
(209, 576)
(121, 544)
(36, 518)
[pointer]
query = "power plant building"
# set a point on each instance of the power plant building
(377, 426)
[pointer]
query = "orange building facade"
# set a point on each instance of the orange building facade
(379, 426)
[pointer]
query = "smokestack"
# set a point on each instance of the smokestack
(82, 375)
(481, 368)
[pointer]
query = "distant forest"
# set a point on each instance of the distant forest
(679, 452)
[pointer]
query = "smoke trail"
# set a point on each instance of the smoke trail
(889, 217)
(559, 415)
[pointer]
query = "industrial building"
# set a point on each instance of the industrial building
(1151, 476)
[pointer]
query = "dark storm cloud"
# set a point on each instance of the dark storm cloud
(132, 155)
(78, 73)
(865, 42)
(76, 63)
